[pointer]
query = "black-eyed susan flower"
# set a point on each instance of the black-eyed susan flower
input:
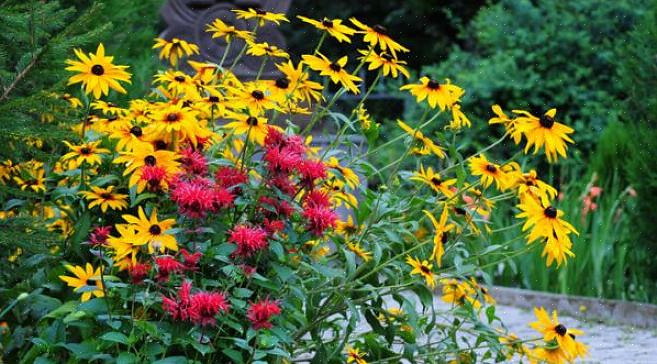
(73, 101)
(175, 49)
(489, 172)
(422, 268)
(31, 177)
(256, 127)
(346, 227)
(97, 73)
(125, 247)
(219, 29)
(265, 49)
(333, 27)
(151, 231)
(440, 237)
(530, 186)
(128, 136)
(83, 278)
(303, 88)
(389, 65)
(176, 118)
(378, 35)
(458, 293)
(144, 158)
(359, 251)
(105, 198)
(443, 95)
(356, 356)
(543, 219)
(334, 70)
(544, 132)
(364, 118)
(254, 96)
(511, 125)
(553, 330)
(549, 354)
(459, 120)
(109, 108)
(261, 16)
(421, 144)
(434, 180)
(178, 84)
(85, 153)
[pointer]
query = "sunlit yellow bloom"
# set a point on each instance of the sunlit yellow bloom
(179, 119)
(347, 173)
(304, 89)
(333, 27)
(359, 251)
(423, 268)
(219, 29)
(421, 144)
(255, 127)
(459, 120)
(551, 329)
(73, 101)
(145, 155)
(549, 355)
(87, 152)
(355, 356)
(378, 34)
(433, 180)
(338, 195)
(459, 293)
(442, 95)
(83, 278)
(175, 49)
(254, 96)
(261, 15)
(178, 83)
(389, 64)
(153, 232)
(364, 118)
(126, 246)
(97, 73)
(346, 227)
(529, 185)
(544, 132)
(334, 70)
(440, 236)
(31, 175)
(109, 108)
(105, 198)
(265, 49)
(128, 136)
(511, 125)
(489, 172)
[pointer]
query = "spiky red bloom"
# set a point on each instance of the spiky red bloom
(221, 198)
(311, 170)
(319, 219)
(248, 239)
(229, 177)
(205, 306)
(180, 306)
(194, 198)
(283, 183)
(282, 160)
(273, 226)
(138, 272)
(154, 176)
(317, 198)
(260, 313)
(167, 265)
(274, 138)
(193, 161)
(99, 235)
(280, 207)
(190, 261)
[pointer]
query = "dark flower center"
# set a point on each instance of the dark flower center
(213, 98)
(436, 181)
(160, 145)
(380, 29)
(150, 160)
(172, 117)
(546, 121)
(282, 83)
(107, 196)
(97, 70)
(155, 229)
(85, 151)
(260, 12)
(425, 269)
(561, 330)
(335, 67)
(327, 23)
(459, 211)
(444, 238)
(258, 95)
(433, 84)
(111, 104)
(112, 118)
(252, 120)
(179, 78)
(491, 168)
(387, 56)
(550, 212)
(136, 131)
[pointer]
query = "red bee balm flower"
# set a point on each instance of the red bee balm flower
(205, 306)
(194, 162)
(166, 266)
(99, 235)
(180, 307)
(261, 312)
(248, 239)
(191, 260)
(139, 272)
(319, 219)
(229, 177)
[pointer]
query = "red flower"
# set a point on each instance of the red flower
(205, 306)
(317, 198)
(179, 307)
(193, 161)
(283, 183)
(282, 207)
(221, 198)
(167, 265)
(319, 219)
(153, 175)
(190, 261)
(229, 177)
(248, 239)
(282, 160)
(311, 170)
(273, 226)
(138, 272)
(99, 235)
(247, 269)
(261, 312)
(194, 198)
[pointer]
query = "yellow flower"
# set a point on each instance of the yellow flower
(265, 49)
(459, 120)
(423, 268)
(378, 34)
(389, 64)
(87, 152)
(549, 354)
(489, 172)
(346, 227)
(32, 177)
(151, 231)
(254, 96)
(175, 118)
(421, 144)
(334, 70)
(304, 89)
(544, 132)
(178, 83)
(348, 174)
(97, 73)
(333, 27)
(355, 356)
(440, 236)
(83, 278)
(129, 136)
(511, 125)
(437, 94)
(529, 186)
(364, 118)
(551, 330)
(261, 15)
(219, 29)
(458, 293)
(434, 181)
(73, 101)
(145, 155)
(175, 49)
(109, 108)
(255, 127)
(359, 251)
(105, 197)
(126, 246)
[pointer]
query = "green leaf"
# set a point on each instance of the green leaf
(490, 314)
(126, 358)
(172, 360)
(116, 337)
(242, 292)
(234, 355)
